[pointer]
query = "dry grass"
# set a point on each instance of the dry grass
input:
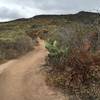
(80, 77)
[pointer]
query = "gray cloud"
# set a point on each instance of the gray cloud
(6, 13)
(67, 5)
(12, 9)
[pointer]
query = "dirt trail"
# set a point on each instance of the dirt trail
(21, 79)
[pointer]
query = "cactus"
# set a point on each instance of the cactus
(57, 55)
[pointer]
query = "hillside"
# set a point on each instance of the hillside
(19, 36)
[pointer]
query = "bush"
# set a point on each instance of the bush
(84, 76)
(11, 48)
(57, 56)
(23, 44)
(76, 72)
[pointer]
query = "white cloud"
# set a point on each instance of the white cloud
(12, 9)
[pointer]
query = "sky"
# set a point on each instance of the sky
(14, 9)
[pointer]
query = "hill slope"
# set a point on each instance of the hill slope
(19, 36)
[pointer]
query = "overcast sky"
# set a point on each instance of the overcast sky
(13, 9)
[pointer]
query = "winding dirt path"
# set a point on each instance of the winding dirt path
(21, 79)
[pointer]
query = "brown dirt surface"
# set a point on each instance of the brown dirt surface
(21, 79)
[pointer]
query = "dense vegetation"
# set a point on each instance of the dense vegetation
(74, 71)
(73, 62)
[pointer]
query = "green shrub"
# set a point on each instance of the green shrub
(57, 56)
